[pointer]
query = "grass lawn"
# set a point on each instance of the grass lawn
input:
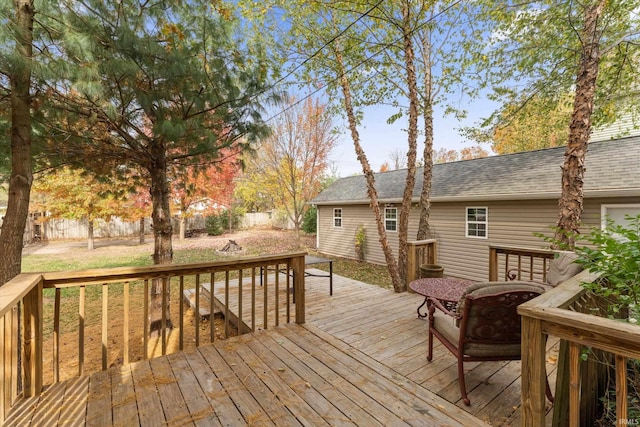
(66, 255)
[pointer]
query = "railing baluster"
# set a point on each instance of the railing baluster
(16, 385)
(125, 332)
(163, 318)
(145, 333)
(197, 313)
(253, 299)
(506, 266)
(519, 267)
(265, 297)
(105, 326)
(574, 384)
(288, 292)
(181, 314)
(226, 304)
(621, 391)
(277, 298)
(7, 353)
(81, 318)
(212, 299)
(56, 335)
(240, 321)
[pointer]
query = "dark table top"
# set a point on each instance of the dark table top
(443, 289)
(310, 259)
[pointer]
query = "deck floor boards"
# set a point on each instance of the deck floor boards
(360, 359)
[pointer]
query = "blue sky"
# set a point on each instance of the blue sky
(379, 139)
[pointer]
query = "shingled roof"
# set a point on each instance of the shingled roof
(613, 170)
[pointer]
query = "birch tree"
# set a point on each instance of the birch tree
(367, 56)
(546, 49)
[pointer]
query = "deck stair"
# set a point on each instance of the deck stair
(189, 296)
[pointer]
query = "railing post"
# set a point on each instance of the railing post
(32, 361)
(297, 265)
(533, 373)
(493, 264)
(429, 248)
(411, 263)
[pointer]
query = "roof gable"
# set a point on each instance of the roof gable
(613, 169)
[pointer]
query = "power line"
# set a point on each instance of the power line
(352, 69)
(327, 43)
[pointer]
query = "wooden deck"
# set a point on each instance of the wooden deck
(359, 360)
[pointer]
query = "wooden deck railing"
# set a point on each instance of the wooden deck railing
(37, 302)
(518, 263)
(569, 313)
(420, 252)
(565, 312)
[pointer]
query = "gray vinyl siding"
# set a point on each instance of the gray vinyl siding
(622, 127)
(339, 241)
(510, 223)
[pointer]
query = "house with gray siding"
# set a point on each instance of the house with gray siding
(498, 200)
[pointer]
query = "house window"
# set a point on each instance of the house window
(619, 214)
(337, 217)
(477, 222)
(391, 219)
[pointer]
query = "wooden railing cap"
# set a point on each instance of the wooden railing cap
(15, 289)
(117, 274)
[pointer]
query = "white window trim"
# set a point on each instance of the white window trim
(336, 217)
(603, 211)
(395, 220)
(467, 222)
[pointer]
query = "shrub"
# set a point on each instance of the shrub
(615, 252)
(310, 220)
(213, 225)
(218, 224)
(360, 240)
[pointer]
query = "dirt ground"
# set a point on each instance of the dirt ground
(262, 241)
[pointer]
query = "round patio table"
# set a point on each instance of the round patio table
(447, 290)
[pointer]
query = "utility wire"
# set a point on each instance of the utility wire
(356, 66)
(327, 43)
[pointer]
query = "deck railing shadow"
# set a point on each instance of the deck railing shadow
(31, 311)
(579, 320)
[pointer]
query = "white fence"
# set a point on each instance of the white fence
(54, 229)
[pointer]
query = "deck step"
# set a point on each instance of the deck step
(189, 296)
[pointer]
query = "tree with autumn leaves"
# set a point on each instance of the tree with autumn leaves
(73, 194)
(169, 84)
(203, 189)
(289, 169)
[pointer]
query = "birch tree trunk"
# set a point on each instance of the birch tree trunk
(405, 210)
(392, 265)
(427, 115)
(571, 201)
